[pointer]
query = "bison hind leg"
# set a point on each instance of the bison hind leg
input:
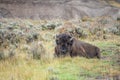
(98, 55)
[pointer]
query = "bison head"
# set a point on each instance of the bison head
(64, 42)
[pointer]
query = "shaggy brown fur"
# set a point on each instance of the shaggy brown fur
(67, 44)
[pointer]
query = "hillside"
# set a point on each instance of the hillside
(58, 9)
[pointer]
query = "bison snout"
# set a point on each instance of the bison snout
(63, 50)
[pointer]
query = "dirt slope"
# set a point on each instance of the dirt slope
(58, 9)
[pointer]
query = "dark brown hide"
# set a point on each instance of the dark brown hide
(67, 44)
(80, 48)
(58, 53)
(62, 48)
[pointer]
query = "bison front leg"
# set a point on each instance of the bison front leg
(57, 52)
(72, 54)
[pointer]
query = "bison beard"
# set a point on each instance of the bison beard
(67, 44)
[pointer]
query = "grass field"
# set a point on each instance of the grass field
(77, 68)
(20, 67)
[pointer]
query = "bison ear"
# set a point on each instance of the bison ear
(57, 40)
(71, 41)
(56, 36)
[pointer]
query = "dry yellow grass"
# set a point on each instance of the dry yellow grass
(78, 68)
(21, 69)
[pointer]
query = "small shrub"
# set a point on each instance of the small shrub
(29, 38)
(79, 31)
(47, 36)
(7, 52)
(104, 20)
(113, 30)
(32, 36)
(37, 50)
(50, 26)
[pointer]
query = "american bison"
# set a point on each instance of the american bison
(66, 44)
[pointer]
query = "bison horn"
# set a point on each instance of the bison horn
(71, 38)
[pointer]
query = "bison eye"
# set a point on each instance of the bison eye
(69, 37)
(68, 43)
